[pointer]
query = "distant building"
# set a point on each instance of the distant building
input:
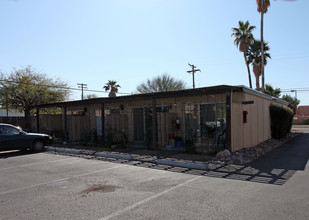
(303, 110)
(302, 114)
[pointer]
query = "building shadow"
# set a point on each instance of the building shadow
(15, 153)
(276, 167)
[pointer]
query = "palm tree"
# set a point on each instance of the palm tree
(271, 91)
(254, 57)
(162, 83)
(112, 86)
(243, 37)
(262, 6)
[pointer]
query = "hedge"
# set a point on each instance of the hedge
(281, 121)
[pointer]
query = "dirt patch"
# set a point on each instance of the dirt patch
(100, 188)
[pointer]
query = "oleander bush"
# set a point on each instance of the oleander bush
(281, 121)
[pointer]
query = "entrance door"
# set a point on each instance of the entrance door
(138, 117)
(208, 119)
(191, 124)
(213, 117)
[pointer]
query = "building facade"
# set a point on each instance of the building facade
(205, 119)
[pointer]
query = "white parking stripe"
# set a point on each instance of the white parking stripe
(128, 208)
(58, 180)
(31, 164)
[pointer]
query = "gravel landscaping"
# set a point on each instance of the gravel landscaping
(247, 155)
(242, 156)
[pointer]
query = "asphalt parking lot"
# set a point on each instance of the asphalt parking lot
(54, 186)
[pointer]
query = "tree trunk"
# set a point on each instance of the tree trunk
(257, 82)
(262, 52)
(257, 73)
(248, 68)
(27, 116)
(112, 92)
(244, 45)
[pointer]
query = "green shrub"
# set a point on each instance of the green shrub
(116, 137)
(307, 122)
(281, 121)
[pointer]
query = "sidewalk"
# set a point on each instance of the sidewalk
(172, 158)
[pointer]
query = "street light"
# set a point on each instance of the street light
(295, 92)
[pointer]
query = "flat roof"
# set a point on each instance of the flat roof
(169, 94)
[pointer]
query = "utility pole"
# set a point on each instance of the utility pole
(295, 93)
(82, 86)
(193, 71)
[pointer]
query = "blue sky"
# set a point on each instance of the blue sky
(93, 41)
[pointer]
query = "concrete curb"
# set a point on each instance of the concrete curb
(115, 156)
(199, 166)
(64, 150)
(192, 165)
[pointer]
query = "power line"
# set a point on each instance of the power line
(293, 89)
(289, 58)
(59, 87)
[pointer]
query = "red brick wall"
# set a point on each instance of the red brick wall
(300, 120)
(303, 110)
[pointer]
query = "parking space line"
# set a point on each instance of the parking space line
(58, 180)
(135, 205)
(31, 164)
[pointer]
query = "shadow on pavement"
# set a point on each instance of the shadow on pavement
(14, 153)
(276, 167)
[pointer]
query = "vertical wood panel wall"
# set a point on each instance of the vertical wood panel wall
(257, 129)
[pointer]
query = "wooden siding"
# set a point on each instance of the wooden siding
(118, 114)
(257, 128)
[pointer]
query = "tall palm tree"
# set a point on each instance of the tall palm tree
(262, 6)
(254, 57)
(112, 86)
(243, 37)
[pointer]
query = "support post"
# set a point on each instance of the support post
(228, 134)
(103, 124)
(65, 124)
(154, 124)
(38, 119)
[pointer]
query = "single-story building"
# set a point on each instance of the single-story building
(207, 119)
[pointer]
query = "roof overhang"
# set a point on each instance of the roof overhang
(170, 94)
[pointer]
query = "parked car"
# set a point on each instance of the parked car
(12, 138)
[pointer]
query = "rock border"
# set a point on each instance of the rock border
(175, 163)
(247, 155)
